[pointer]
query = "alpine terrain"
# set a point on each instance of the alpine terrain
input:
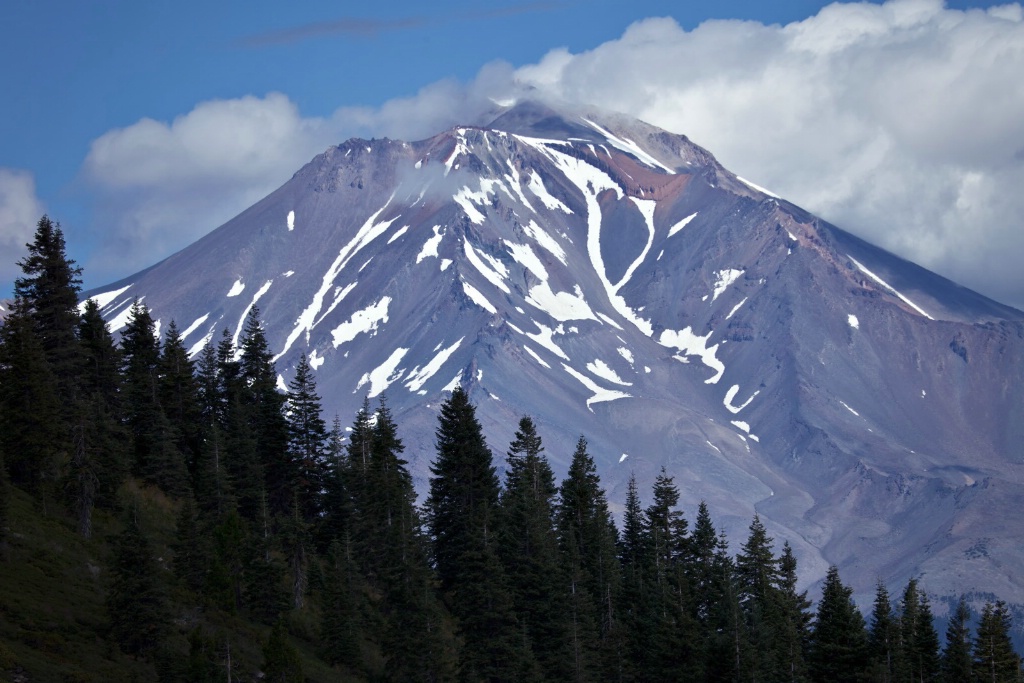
(612, 279)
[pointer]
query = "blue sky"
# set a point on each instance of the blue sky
(141, 126)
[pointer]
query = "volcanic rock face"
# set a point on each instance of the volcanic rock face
(613, 280)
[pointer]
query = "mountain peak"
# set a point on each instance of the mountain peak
(610, 278)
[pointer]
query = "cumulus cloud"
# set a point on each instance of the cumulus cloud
(20, 210)
(160, 186)
(900, 122)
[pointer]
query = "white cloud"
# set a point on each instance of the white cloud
(901, 122)
(20, 210)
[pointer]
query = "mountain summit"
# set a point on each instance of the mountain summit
(612, 279)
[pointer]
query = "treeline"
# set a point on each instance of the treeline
(286, 522)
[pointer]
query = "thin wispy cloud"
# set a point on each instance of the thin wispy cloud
(371, 28)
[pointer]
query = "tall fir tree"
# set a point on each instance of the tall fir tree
(792, 639)
(461, 510)
(883, 638)
(265, 406)
(178, 391)
(48, 290)
(995, 660)
(307, 442)
(759, 577)
(588, 538)
(635, 558)
(281, 661)
(33, 430)
(104, 434)
(957, 661)
(529, 552)
(919, 643)
(838, 645)
(672, 652)
(157, 458)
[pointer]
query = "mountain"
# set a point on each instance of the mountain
(612, 279)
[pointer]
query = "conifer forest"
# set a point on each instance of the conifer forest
(182, 519)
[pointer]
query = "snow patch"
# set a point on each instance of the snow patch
(694, 345)
(681, 224)
(445, 263)
(536, 185)
(417, 378)
(757, 187)
(731, 394)
(852, 320)
(493, 270)
(600, 393)
(524, 255)
(889, 287)
(381, 377)
(625, 353)
(541, 237)
(561, 306)
(369, 231)
(479, 299)
(723, 279)
(431, 245)
(398, 233)
(843, 403)
(194, 326)
(102, 299)
(601, 369)
(627, 145)
(236, 288)
(363, 321)
(315, 359)
(544, 338)
(535, 356)
(624, 456)
(736, 308)
(742, 425)
(291, 221)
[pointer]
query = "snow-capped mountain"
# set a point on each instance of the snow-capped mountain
(613, 280)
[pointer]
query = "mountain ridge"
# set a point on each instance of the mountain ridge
(617, 281)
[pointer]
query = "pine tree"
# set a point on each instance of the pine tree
(995, 660)
(266, 414)
(883, 637)
(281, 663)
(672, 627)
(919, 643)
(838, 642)
(635, 558)
(49, 291)
(157, 458)
(758, 577)
(460, 513)
(335, 522)
(104, 435)
(307, 440)
(136, 603)
(956, 658)
(796, 619)
(588, 538)
(32, 428)
(178, 392)
(529, 551)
